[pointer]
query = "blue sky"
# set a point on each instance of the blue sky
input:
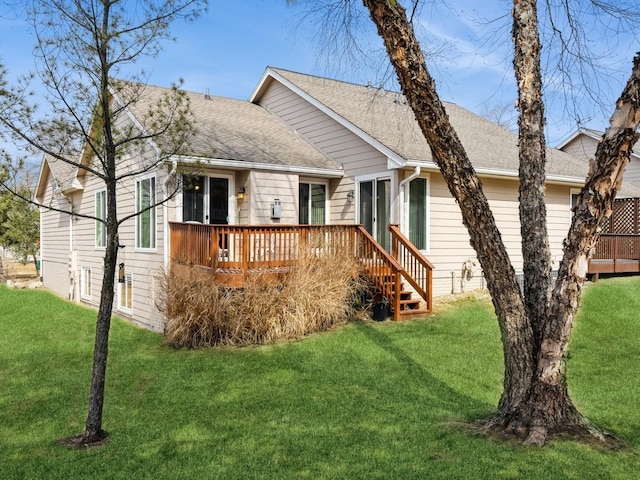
(226, 51)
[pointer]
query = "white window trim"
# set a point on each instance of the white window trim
(327, 203)
(155, 212)
(122, 308)
(232, 195)
(404, 227)
(95, 199)
(85, 272)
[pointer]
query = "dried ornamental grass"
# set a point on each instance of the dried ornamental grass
(320, 291)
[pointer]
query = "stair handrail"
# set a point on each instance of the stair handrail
(392, 294)
(408, 267)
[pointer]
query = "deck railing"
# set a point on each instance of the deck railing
(617, 246)
(243, 247)
(616, 253)
(417, 270)
(236, 250)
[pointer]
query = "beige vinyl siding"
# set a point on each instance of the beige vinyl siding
(558, 201)
(341, 211)
(241, 214)
(584, 147)
(449, 241)
(338, 143)
(265, 188)
(145, 266)
(55, 239)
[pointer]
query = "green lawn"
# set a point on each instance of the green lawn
(369, 400)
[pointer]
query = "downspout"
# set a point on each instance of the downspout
(405, 195)
(72, 272)
(165, 215)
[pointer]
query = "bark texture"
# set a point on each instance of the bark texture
(465, 186)
(532, 152)
(594, 206)
(535, 333)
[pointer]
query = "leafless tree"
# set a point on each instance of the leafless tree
(535, 324)
(85, 53)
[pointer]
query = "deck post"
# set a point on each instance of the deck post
(245, 254)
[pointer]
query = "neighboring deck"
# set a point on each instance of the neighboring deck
(616, 253)
(233, 252)
(618, 249)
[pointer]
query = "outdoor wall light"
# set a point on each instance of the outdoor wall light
(121, 273)
(350, 196)
(241, 193)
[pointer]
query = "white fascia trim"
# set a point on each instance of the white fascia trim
(392, 156)
(500, 173)
(40, 186)
(240, 165)
(575, 134)
(135, 121)
(563, 180)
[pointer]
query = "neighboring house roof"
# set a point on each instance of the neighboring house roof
(587, 150)
(594, 135)
(383, 118)
(240, 134)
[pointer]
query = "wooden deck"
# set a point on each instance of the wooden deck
(618, 249)
(232, 252)
(616, 253)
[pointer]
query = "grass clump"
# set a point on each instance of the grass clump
(317, 293)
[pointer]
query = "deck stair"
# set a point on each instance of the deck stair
(399, 276)
(409, 306)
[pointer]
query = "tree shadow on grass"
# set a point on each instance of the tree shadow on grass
(432, 392)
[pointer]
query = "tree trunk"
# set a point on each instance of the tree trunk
(465, 186)
(535, 401)
(594, 206)
(93, 429)
(94, 434)
(536, 254)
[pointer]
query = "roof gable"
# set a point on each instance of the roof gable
(384, 118)
(62, 173)
(593, 135)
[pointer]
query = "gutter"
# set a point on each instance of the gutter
(240, 165)
(508, 174)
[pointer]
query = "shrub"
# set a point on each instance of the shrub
(315, 294)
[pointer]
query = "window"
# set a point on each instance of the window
(101, 214)
(418, 213)
(205, 199)
(313, 204)
(574, 198)
(193, 198)
(85, 283)
(146, 220)
(125, 293)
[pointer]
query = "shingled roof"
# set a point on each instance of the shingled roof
(62, 173)
(240, 131)
(385, 117)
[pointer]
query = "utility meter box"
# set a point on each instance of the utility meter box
(276, 209)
